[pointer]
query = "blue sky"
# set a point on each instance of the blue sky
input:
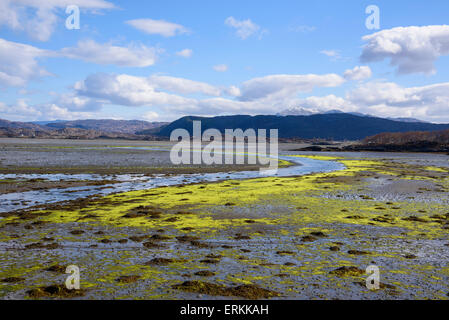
(158, 61)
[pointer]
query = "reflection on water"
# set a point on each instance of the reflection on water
(132, 182)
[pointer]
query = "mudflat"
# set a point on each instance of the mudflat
(95, 156)
(298, 237)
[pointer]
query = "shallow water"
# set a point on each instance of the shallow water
(129, 182)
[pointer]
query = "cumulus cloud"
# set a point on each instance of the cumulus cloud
(167, 96)
(18, 110)
(126, 90)
(260, 95)
(160, 27)
(9, 16)
(286, 85)
(22, 111)
(185, 53)
(19, 63)
(358, 73)
(244, 28)
(429, 102)
(233, 91)
(220, 68)
(327, 103)
(182, 86)
(131, 56)
(39, 18)
(410, 49)
(78, 103)
(150, 116)
(384, 99)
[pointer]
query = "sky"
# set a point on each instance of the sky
(161, 60)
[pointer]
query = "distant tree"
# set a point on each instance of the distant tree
(387, 138)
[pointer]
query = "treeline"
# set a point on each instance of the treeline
(433, 137)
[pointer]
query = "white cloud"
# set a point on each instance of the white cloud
(264, 95)
(245, 28)
(150, 116)
(21, 111)
(334, 54)
(8, 15)
(126, 90)
(19, 63)
(185, 53)
(410, 49)
(233, 91)
(327, 103)
(160, 27)
(55, 112)
(358, 73)
(286, 85)
(39, 18)
(74, 102)
(182, 86)
(131, 56)
(220, 68)
(429, 102)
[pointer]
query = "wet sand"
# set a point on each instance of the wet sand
(95, 156)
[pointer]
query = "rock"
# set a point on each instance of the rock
(205, 273)
(77, 232)
(12, 280)
(159, 262)
(347, 271)
(127, 279)
(58, 291)
(318, 234)
(308, 239)
(357, 252)
(56, 268)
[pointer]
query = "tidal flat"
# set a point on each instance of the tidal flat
(308, 236)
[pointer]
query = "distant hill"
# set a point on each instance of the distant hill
(78, 129)
(331, 126)
(387, 138)
(6, 124)
(334, 126)
(298, 111)
(416, 141)
(116, 126)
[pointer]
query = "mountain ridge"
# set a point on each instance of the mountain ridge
(334, 126)
(329, 126)
(78, 129)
